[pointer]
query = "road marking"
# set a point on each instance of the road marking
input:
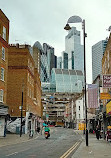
(68, 152)
(12, 154)
(17, 152)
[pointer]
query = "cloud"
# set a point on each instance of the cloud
(44, 20)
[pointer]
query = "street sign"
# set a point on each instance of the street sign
(106, 81)
(105, 96)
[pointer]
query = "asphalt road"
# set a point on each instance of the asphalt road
(60, 141)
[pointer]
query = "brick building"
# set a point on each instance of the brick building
(4, 38)
(22, 75)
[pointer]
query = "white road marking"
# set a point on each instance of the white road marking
(22, 150)
(12, 154)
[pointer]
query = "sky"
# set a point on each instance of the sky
(44, 21)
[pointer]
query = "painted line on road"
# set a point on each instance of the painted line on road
(12, 154)
(15, 153)
(68, 152)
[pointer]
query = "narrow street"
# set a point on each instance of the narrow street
(60, 141)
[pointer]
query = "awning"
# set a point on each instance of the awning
(3, 109)
(108, 108)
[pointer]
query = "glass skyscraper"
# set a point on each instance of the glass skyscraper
(64, 60)
(74, 50)
(59, 62)
(97, 54)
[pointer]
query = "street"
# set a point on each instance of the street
(60, 141)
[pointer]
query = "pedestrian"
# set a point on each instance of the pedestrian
(97, 132)
(38, 129)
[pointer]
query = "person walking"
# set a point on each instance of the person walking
(97, 132)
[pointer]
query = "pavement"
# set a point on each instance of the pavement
(15, 138)
(95, 149)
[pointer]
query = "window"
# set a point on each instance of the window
(1, 95)
(2, 74)
(4, 33)
(28, 77)
(79, 107)
(28, 91)
(79, 116)
(3, 53)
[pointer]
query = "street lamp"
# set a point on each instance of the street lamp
(21, 110)
(77, 19)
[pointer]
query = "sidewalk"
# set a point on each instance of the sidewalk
(96, 148)
(15, 138)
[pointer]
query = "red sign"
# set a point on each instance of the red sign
(107, 81)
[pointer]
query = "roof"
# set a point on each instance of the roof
(67, 71)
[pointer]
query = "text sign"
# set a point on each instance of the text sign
(107, 81)
(105, 96)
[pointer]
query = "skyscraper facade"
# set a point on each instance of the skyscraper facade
(40, 59)
(97, 54)
(64, 60)
(74, 50)
(59, 62)
(51, 58)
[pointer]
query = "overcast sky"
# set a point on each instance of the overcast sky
(44, 20)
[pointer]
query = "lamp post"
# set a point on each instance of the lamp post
(21, 110)
(77, 19)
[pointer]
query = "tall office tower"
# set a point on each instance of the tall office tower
(40, 60)
(75, 50)
(59, 62)
(51, 58)
(97, 54)
(64, 60)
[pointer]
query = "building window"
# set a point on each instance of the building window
(28, 77)
(2, 74)
(79, 107)
(79, 116)
(72, 59)
(3, 53)
(4, 33)
(28, 92)
(1, 95)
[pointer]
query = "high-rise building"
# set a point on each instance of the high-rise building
(97, 54)
(74, 50)
(64, 60)
(41, 63)
(59, 62)
(51, 58)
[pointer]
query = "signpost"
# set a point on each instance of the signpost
(107, 81)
